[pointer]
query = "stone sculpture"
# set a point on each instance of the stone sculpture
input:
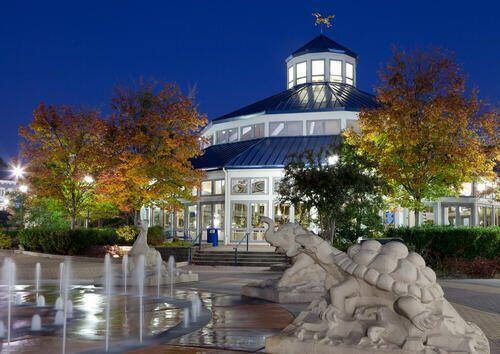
(141, 247)
(382, 299)
(303, 282)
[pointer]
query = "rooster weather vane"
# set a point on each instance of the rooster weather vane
(322, 20)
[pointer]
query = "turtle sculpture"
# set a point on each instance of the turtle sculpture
(382, 296)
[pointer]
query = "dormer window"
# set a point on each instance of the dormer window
(301, 73)
(349, 73)
(291, 76)
(318, 70)
(335, 70)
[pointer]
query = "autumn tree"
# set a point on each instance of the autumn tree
(157, 133)
(64, 151)
(428, 134)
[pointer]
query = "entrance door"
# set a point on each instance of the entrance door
(245, 218)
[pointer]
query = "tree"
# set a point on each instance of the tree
(156, 133)
(64, 150)
(45, 212)
(340, 187)
(428, 135)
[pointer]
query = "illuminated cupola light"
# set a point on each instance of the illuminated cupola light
(321, 60)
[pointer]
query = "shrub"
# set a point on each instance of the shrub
(127, 233)
(5, 241)
(63, 241)
(155, 236)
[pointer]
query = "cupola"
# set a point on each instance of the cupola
(321, 60)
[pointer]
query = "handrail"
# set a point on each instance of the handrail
(246, 237)
(193, 243)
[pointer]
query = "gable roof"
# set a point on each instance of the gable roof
(309, 97)
(269, 152)
(321, 44)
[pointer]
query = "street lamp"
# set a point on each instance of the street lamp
(333, 159)
(17, 171)
(23, 188)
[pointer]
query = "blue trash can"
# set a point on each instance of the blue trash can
(213, 236)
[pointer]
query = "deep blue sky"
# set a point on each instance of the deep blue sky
(75, 52)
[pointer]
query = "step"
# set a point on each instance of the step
(240, 263)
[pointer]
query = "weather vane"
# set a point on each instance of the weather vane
(322, 20)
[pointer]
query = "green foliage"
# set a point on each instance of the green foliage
(347, 194)
(155, 236)
(45, 213)
(436, 243)
(65, 241)
(128, 233)
(5, 241)
(177, 243)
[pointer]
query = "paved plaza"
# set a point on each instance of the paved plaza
(235, 324)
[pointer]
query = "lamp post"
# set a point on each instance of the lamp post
(89, 180)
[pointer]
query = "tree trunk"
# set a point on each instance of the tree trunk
(417, 216)
(333, 227)
(73, 222)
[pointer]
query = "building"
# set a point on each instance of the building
(249, 148)
(7, 183)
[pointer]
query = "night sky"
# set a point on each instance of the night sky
(233, 52)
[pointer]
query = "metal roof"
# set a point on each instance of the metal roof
(269, 152)
(310, 97)
(321, 44)
(5, 174)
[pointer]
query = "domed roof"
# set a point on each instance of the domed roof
(310, 97)
(321, 44)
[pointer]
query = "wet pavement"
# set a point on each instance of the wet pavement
(234, 324)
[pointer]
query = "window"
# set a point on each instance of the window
(192, 213)
(285, 129)
(349, 73)
(276, 185)
(212, 215)
(206, 188)
(449, 215)
(318, 70)
(281, 214)
(465, 215)
(194, 192)
(335, 71)
(179, 219)
(323, 127)
(207, 141)
(301, 73)
(239, 186)
(497, 213)
(252, 131)
(227, 136)
(466, 189)
(219, 187)
(488, 220)
(354, 124)
(428, 215)
(291, 77)
(259, 185)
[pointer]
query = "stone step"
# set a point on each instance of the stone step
(249, 259)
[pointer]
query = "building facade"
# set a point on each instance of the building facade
(248, 149)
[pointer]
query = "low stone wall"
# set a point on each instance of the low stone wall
(181, 254)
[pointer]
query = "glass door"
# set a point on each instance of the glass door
(245, 218)
(239, 221)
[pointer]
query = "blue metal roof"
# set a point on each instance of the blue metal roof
(270, 152)
(310, 97)
(321, 44)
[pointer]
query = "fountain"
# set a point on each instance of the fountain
(66, 283)
(36, 323)
(38, 274)
(2, 329)
(9, 277)
(59, 318)
(108, 286)
(171, 270)
(61, 276)
(18, 299)
(159, 262)
(69, 309)
(195, 306)
(40, 301)
(59, 304)
(140, 283)
(125, 271)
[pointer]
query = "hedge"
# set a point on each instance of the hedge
(442, 242)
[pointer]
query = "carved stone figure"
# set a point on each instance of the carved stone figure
(303, 282)
(382, 298)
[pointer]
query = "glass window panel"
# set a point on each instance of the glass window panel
(239, 186)
(206, 188)
(332, 127)
(349, 71)
(276, 128)
(219, 187)
(252, 131)
(179, 219)
(449, 215)
(192, 213)
(157, 217)
(488, 220)
(318, 70)
(221, 136)
(465, 216)
(481, 212)
(239, 216)
(218, 216)
(291, 77)
(428, 215)
(259, 185)
(259, 130)
(258, 210)
(301, 72)
(497, 213)
(206, 216)
(335, 70)
(294, 128)
(194, 191)
(281, 214)
(233, 135)
(247, 133)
